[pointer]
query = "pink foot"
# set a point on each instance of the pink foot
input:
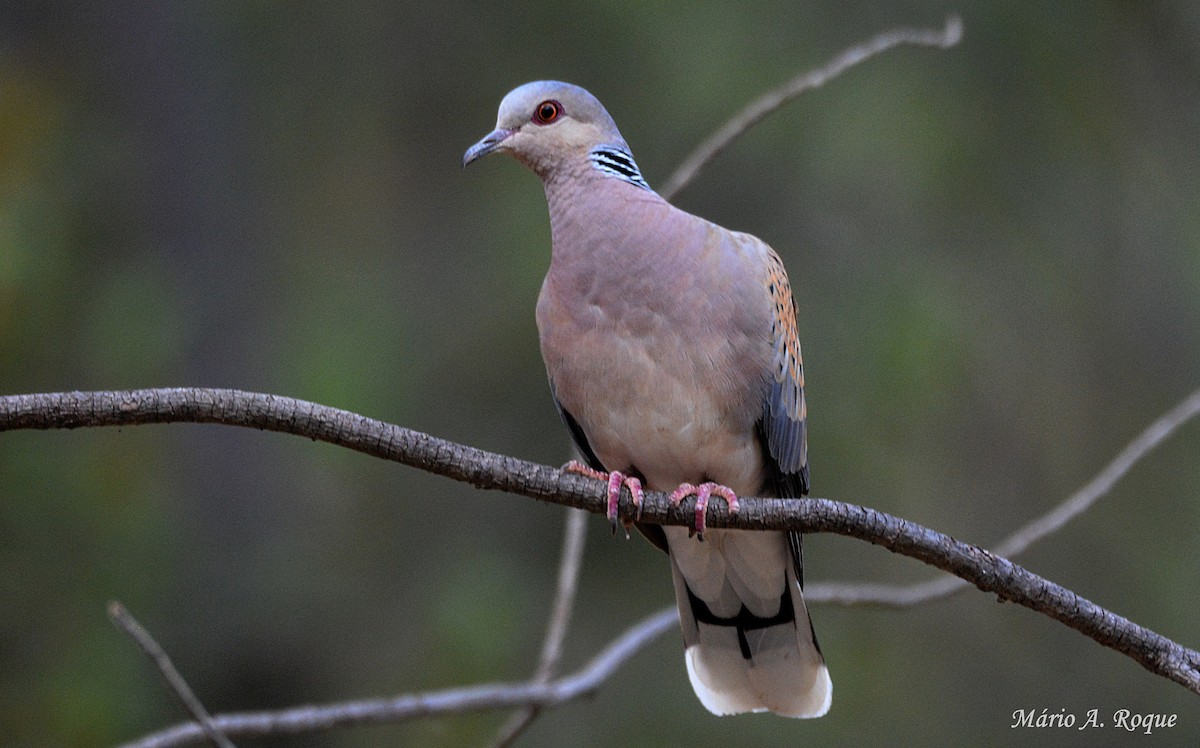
(702, 492)
(615, 479)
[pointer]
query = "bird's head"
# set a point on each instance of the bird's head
(545, 124)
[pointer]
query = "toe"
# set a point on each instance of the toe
(679, 494)
(615, 479)
(702, 494)
(636, 493)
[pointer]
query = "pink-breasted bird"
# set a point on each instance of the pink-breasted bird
(670, 344)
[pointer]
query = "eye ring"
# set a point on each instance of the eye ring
(547, 112)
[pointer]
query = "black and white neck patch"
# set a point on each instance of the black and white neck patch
(618, 163)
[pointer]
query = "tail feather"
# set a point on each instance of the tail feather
(772, 680)
(752, 663)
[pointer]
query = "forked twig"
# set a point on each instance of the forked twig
(560, 617)
(309, 719)
(125, 621)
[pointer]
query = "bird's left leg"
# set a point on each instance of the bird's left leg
(702, 492)
(615, 479)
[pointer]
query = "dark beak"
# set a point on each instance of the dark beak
(490, 142)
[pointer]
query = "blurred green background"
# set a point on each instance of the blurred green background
(995, 252)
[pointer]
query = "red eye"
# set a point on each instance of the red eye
(547, 112)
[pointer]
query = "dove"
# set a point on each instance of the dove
(671, 348)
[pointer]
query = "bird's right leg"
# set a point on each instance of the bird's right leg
(615, 479)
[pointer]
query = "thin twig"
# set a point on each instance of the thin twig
(125, 621)
(987, 571)
(1047, 524)
(568, 584)
(757, 110)
(307, 719)
(560, 618)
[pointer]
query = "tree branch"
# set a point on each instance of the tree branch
(759, 109)
(453, 701)
(986, 570)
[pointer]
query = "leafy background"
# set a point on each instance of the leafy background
(995, 252)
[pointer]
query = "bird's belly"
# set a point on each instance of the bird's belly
(668, 410)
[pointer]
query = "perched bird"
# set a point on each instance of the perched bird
(670, 344)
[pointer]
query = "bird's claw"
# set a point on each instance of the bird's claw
(702, 493)
(615, 479)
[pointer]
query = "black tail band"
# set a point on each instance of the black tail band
(744, 620)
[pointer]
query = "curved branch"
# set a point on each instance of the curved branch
(759, 109)
(986, 570)
(307, 719)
